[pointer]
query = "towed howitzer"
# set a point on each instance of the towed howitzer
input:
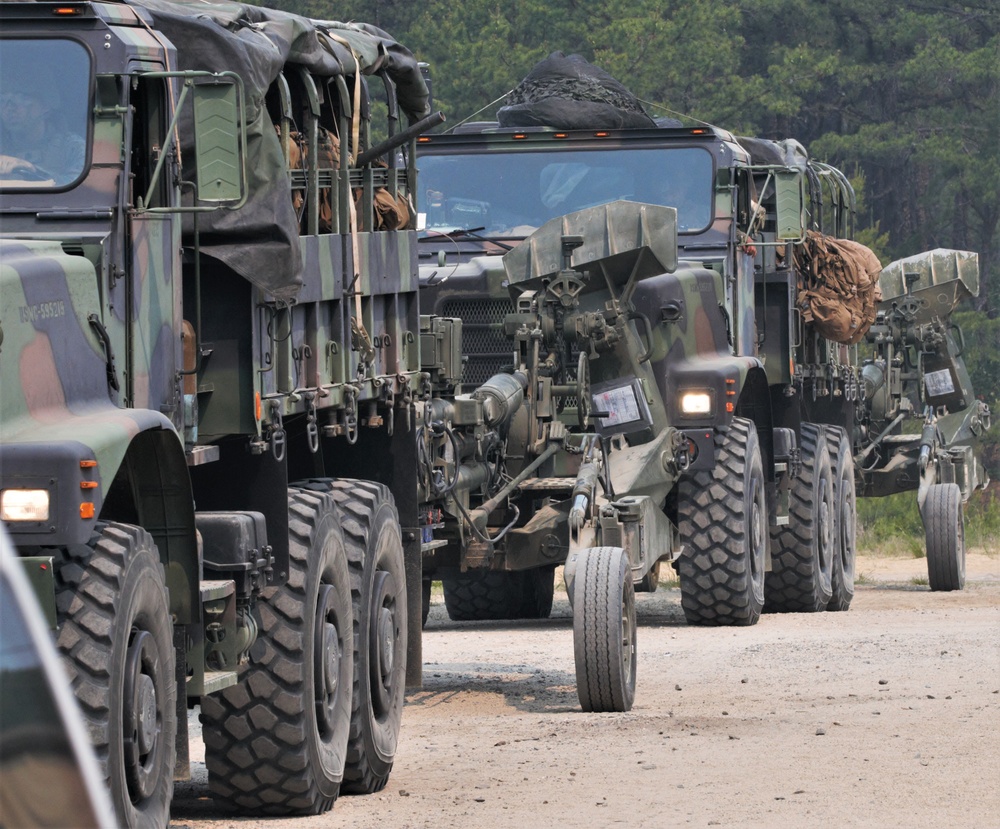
(916, 372)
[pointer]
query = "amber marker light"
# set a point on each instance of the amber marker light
(601, 134)
(65, 11)
(423, 139)
(86, 510)
(256, 404)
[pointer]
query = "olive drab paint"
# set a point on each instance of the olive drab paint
(181, 341)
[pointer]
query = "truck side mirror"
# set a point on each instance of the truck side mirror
(219, 163)
(790, 201)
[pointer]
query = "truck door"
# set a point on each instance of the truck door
(153, 282)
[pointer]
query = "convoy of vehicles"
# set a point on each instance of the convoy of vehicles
(660, 294)
(240, 435)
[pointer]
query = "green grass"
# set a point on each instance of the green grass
(892, 527)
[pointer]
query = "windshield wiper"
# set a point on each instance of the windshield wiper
(465, 233)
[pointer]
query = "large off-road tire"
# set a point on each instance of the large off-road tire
(116, 640)
(604, 629)
(425, 601)
(276, 743)
(802, 552)
(845, 519)
(651, 581)
(483, 595)
(722, 519)
(944, 529)
(378, 595)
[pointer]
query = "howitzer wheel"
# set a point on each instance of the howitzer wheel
(484, 595)
(801, 577)
(944, 530)
(604, 629)
(722, 518)
(116, 640)
(276, 743)
(378, 596)
(845, 519)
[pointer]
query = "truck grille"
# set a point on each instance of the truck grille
(487, 349)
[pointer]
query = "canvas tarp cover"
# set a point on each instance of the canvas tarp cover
(260, 241)
(785, 153)
(838, 290)
(569, 93)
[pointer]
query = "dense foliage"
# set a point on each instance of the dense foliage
(903, 94)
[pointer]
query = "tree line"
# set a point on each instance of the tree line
(900, 94)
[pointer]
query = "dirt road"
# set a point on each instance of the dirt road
(888, 716)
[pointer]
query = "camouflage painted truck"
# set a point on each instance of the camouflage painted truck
(209, 362)
(638, 306)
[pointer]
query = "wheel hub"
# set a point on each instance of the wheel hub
(146, 710)
(327, 659)
(141, 723)
(382, 641)
(387, 650)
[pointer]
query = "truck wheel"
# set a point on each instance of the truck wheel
(604, 629)
(722, 518)
(945, 533)
(484, 595)
(276, 743)
(845, 518)
(651, 581)
(378, 593)
(425, 601)
(541, 592)
(801, 577)
(116, 640)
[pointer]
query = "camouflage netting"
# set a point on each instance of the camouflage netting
(838, 286)
(569, 93)
(260, 241)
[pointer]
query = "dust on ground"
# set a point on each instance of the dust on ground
(887, 715)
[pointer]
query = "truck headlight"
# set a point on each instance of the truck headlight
(24, 505)
(695, 403)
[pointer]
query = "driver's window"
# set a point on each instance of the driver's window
(44, 106)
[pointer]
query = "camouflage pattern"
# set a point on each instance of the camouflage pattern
(717, 315)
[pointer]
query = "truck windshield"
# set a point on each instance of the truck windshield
(513, 193)
(44, 101)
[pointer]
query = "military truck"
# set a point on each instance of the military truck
(209, 355)
(675, 377)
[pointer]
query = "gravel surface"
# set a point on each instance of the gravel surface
(887, 715)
